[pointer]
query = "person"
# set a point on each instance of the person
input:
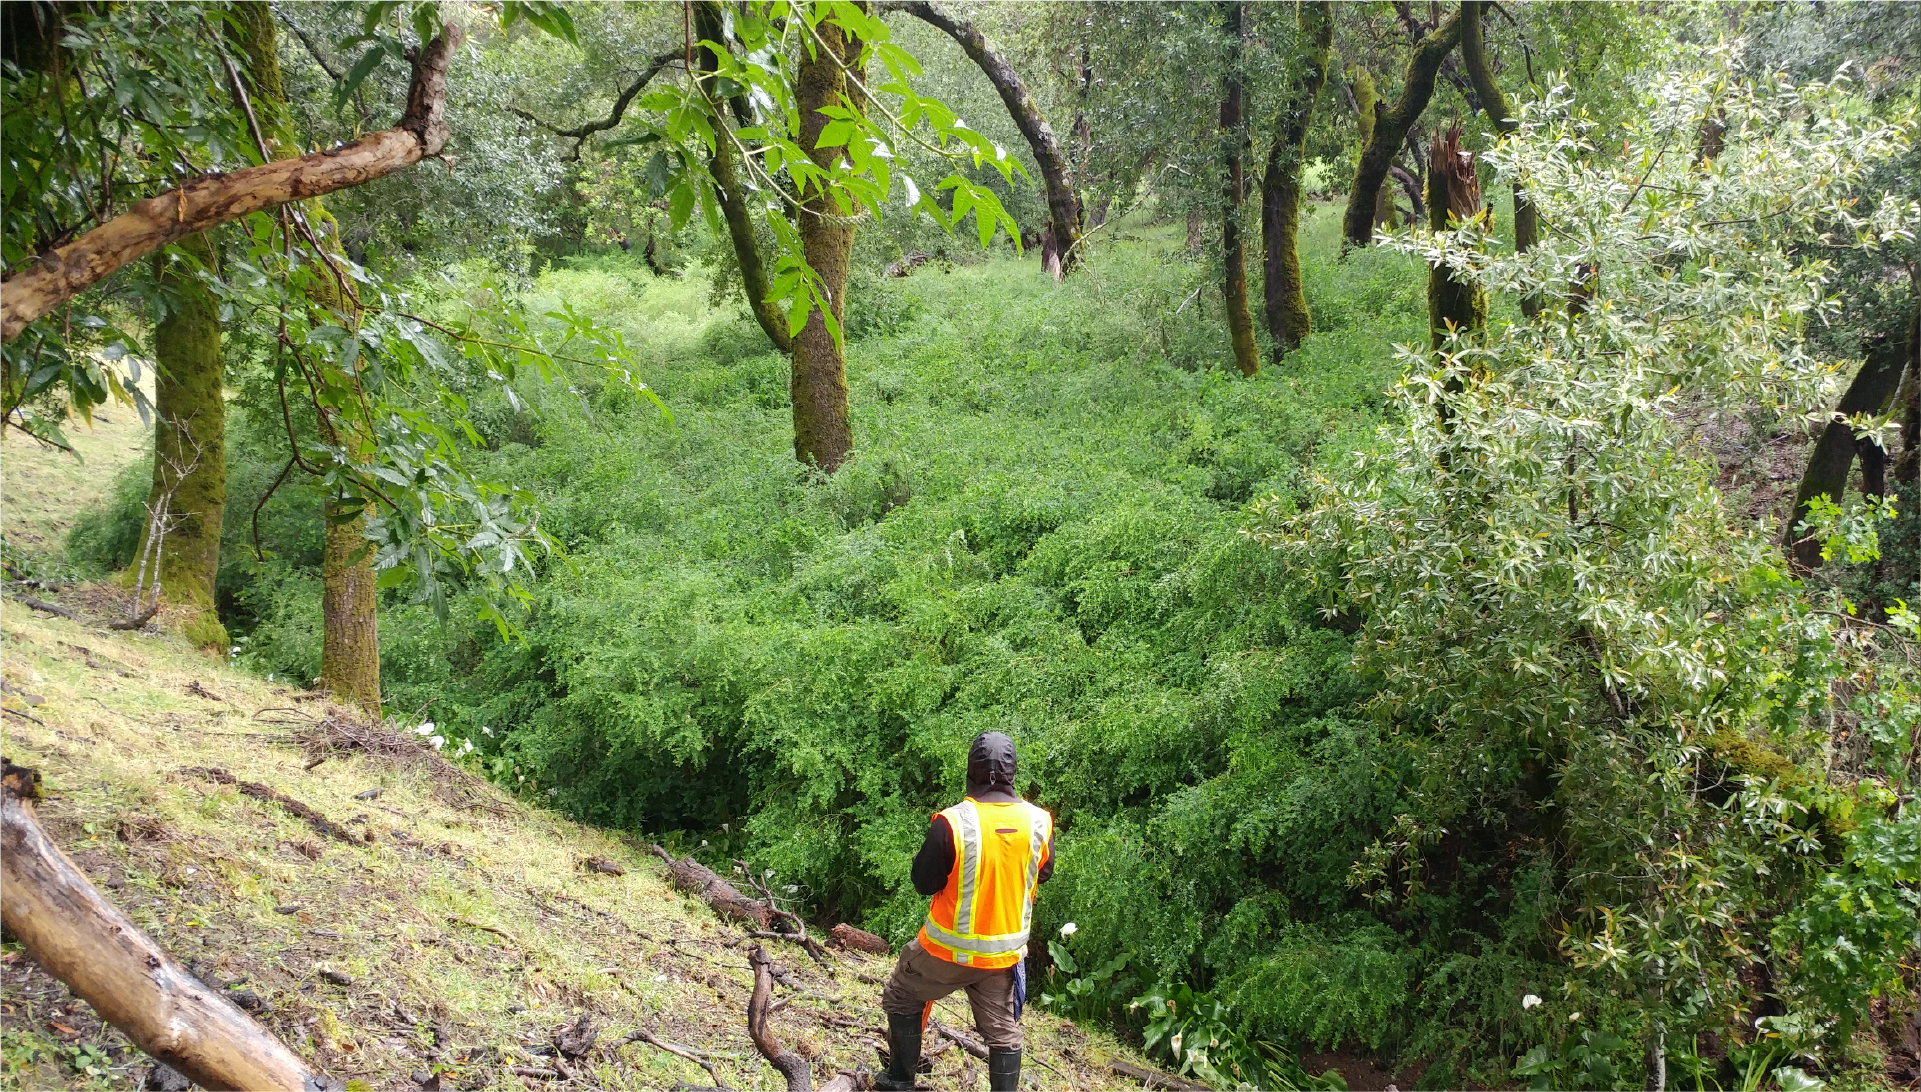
(981, 861)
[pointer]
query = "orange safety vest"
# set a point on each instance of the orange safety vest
(981, 918)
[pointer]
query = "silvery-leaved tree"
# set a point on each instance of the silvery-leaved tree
(1575, 632)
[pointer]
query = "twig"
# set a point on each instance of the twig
(966, 1043)
(24, 716)
(484, 928)
(642, 1035)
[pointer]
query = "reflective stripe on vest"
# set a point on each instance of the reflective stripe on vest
(963, 941)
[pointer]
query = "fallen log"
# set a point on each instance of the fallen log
(726, 900)
(103, 957)
(800, 1077)
(148, 225)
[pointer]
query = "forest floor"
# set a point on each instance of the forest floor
(449, 937)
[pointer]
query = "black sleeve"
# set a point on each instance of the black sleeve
(935, 861)
(1047, 868)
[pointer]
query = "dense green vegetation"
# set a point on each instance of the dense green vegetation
(1467, 686)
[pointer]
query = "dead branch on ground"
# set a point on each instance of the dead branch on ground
(314, 819)
(642, 1035)
(800, 1077)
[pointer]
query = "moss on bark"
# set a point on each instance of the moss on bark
(1288, 320)
(823, 434)
(190, 451)
(350, 641)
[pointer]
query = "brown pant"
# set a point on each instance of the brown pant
(921, 978)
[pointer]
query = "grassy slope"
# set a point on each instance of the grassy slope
(43, 489)
(203, 869)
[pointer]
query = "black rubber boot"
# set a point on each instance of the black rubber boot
(903, 1053)
(1003, 1070)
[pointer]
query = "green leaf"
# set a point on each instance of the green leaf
(680, 204)
(1795, 1079)
(1062, 958)
(357, 75)
(551, 17)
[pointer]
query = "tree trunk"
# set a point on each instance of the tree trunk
(189, 441)
(350, 627)
(350, 644)
(1833, 455)
(1063, 204)
(209, 202)
(1453, 198)
(732, 194)
(1527, 221)
(104, 958)
(1288, 321)
(1234, 137)
(1391, 127)
(823, 435)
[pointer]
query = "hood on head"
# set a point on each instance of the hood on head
(990, 764)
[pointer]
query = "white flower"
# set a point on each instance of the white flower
(486, 730)
(438, 742)
(1069, 930)
(1529, 1002)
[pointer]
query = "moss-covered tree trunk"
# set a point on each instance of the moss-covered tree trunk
(1833, 455)
(1288, 321)
(189, 440)
(350, 642)
(1391, 126)
(1454, 305)
(1366, 101)
(1527, 221)
(1234, 140)
(823, 434)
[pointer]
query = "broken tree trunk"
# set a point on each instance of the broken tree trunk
(87, 943)
(216, 199)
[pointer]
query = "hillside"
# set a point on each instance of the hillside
(455, 935)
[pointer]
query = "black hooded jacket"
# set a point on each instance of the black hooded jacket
(990, 779)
